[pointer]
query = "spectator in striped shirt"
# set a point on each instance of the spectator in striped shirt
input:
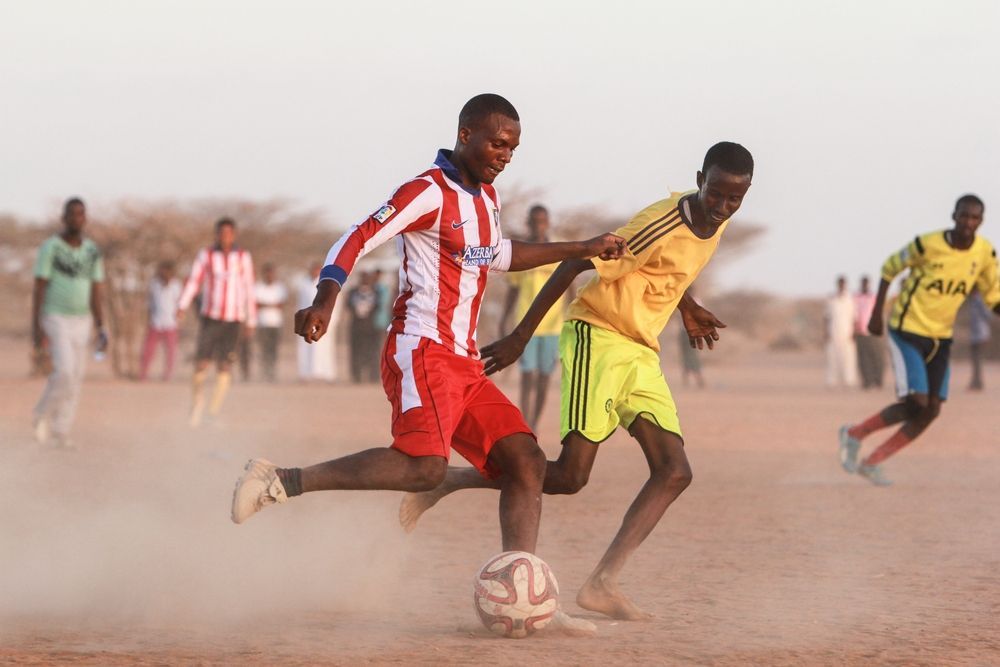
(223, 275)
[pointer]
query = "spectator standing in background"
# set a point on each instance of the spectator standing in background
(164, 295)
(979, 335)
(69, 273)
(841, 354)
(271, 298)
(362, 305)
(318, 361)
(871, 356)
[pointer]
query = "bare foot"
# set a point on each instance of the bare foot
(415, 504)
(606, 599)
(574, 627)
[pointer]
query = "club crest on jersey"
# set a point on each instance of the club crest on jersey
(384, 213)
(496, 215)
(474, 255)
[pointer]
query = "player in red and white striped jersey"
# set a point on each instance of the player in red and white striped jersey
(223, 274)
(448, 238)
(446, 226)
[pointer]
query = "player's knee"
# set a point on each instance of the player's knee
(521, 458)
(930, 412)
(675, 476)
(427, 473)
(531, 462)
(915, 406)
(573, 481)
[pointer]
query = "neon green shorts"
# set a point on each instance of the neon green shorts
(608, 380)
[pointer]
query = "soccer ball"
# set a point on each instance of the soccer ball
(515, 594)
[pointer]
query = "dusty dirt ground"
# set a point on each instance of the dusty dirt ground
(122, 552)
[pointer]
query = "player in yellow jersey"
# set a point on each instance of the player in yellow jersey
(944, 267)
(611, 367)
(542, 351)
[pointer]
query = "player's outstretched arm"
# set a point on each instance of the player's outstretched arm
(504, 352)
(526, 255)
(701, 325)
(312, 322)
(876, 325)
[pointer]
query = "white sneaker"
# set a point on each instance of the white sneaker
(256, 488)
(42, 430)
(874, 474)
(849, 448)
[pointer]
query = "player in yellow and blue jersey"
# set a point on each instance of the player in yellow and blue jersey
(944, 268)
(611, 366)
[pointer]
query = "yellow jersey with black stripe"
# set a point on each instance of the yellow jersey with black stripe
(940, 279)
(635, 295)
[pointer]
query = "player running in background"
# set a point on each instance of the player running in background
(224, 275)
(542, 351)
(944, 267)
(611, 367)
(446, 226)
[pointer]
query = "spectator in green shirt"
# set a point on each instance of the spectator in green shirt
(69, 272)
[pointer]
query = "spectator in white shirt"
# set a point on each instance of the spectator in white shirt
(271, 297)
(841, 353)
(164, 293)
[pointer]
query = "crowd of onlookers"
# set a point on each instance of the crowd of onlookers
(242, 320)
(367, 303)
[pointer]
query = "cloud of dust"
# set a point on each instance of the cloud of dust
(143, 535)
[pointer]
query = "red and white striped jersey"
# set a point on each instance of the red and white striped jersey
(227, 285)
(448, 239)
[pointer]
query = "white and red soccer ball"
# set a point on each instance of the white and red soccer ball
(515, 594)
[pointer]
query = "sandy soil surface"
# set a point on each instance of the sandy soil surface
(123, 553)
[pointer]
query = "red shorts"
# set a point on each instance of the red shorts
(442, 400)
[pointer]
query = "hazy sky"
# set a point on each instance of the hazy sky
(866, 119)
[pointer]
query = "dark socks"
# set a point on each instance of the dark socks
(291, 479)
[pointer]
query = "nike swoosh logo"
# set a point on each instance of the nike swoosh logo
(458, 225)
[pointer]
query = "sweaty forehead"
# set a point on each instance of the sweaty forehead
(499, 126)
(724, 180)
(970, 208)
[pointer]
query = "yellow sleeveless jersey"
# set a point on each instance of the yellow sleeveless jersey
(940, 279)
(635, 295)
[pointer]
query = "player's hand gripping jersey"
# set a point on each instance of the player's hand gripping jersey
(636, 295)
(448, 239)
(940, 279)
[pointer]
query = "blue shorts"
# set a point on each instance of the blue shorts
(540, 354)
(920, 364)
